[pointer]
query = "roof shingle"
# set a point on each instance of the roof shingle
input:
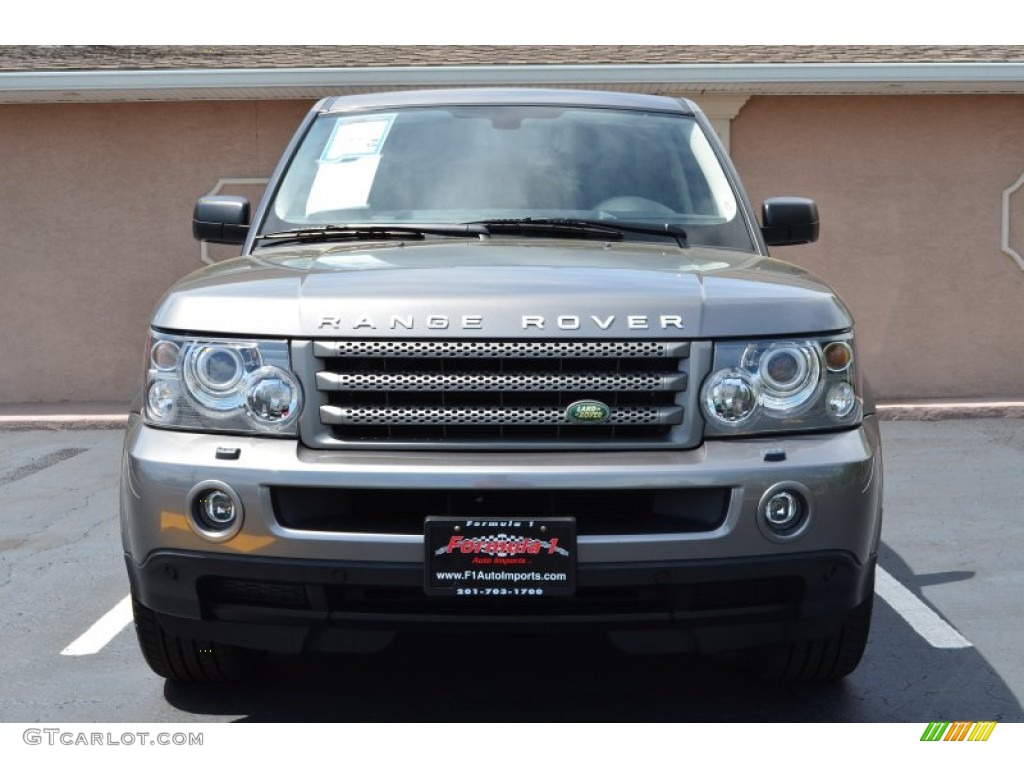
(24, 58)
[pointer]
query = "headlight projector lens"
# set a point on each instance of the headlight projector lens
(730, 396)
(219, 368)
(791, 374)
(272, 397)
(783, 368)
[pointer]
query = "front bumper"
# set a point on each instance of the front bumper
(293, 606)
(281, 588)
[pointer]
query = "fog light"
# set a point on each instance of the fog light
(784, 511)
(215, 511)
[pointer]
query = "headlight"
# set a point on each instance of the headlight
(731, 396)
(221, 385)
(782, 385)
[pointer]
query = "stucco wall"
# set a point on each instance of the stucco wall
(95, 202)
(910, 195)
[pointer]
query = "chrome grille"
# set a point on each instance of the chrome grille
(498, 392)
(594, 381)
(487, 416)
(513, 349)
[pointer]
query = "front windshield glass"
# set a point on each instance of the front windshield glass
(473, 163)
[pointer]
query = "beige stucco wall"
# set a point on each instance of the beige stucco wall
(910, 195)
(95, 204)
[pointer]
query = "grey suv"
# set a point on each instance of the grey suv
(494, 360)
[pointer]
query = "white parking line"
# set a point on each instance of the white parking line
(95, 638)
(926, 622)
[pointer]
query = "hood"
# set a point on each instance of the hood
(501, 288)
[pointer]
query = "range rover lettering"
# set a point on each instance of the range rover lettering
(496, 359)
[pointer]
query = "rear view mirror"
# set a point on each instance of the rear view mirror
(789, 220)
(221, 219)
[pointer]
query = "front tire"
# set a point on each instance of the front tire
(190, 661)
(820, 660)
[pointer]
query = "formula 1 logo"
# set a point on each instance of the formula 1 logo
(501, 545)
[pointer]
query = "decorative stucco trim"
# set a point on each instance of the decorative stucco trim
(720, 109)
(1005, 239)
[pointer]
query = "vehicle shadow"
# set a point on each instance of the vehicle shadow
(577, 678)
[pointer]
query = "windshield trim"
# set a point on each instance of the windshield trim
(697, 228)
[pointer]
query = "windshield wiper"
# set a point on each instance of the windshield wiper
(578, 228)
(604, 230)
(370, 232)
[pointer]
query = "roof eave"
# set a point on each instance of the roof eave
(314, 82)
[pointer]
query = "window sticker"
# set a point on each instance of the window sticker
(343, 184)
(348, 164)
(356, 137)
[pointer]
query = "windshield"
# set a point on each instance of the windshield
(453, 165)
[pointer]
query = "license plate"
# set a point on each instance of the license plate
(502, 558)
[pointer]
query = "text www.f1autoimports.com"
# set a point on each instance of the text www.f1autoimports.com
(67, 738)
(500, 576)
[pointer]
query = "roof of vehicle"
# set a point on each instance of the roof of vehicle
(512, 96)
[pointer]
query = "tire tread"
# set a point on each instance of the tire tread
(189, 661)
(819, 660)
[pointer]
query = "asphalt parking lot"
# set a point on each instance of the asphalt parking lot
(945, 643)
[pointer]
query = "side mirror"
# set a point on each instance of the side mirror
(789, 220)
(221, 219)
